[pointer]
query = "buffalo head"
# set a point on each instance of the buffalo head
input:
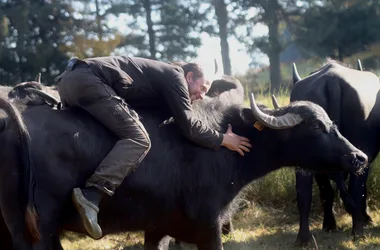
(34, 93)
(20, 91)
(307, 137)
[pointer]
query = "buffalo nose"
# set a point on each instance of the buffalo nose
(362, 158)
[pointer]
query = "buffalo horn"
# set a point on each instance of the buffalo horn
(43, 95)
(275, 102)
(359, 65)
(282, 122)
(296, 76)
(38, 78)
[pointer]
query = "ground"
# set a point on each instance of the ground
(255, 228)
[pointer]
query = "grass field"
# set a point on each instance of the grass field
(255, 228)
(268, 218)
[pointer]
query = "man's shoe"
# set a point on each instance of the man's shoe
(88, 212)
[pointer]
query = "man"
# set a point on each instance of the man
(100, 86)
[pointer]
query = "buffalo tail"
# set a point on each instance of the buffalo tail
(31, 216)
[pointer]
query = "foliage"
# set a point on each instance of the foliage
(170, 31)
(93, 36)
(32, 33)
(339, 30)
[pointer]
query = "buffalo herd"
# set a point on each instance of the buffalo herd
(330, 130)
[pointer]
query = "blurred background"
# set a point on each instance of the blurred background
(254, 40)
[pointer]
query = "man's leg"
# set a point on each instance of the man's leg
(127, 153)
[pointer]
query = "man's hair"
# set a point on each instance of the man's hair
(193, 67)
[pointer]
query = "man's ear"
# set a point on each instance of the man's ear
(189, 76)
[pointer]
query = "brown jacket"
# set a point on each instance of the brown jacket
(146, 82)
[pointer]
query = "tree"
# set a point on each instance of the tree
(223, 19)
(339, 29)
(164, 29)
(274, 14)
(93, 36)
(32, 33)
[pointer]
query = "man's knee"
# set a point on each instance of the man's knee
(136, 149)
(137, 132)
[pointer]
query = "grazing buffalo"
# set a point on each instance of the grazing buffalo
(181, 189)
(351, 99)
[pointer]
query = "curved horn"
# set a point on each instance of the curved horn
(44, 95)
(282, 122)
(38, 78)
(215, 66)
(275, 102)
(296, 76)
(359, 65)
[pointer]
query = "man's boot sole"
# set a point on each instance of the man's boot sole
(92, 228)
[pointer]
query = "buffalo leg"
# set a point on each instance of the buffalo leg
(49, 222)
(367, 219)
(357, 189)
(12, 214)
(154, 240)
(349, 202)
(326, 194)
(5, 236)
(304, 186)
(210, 238)
(346, 197)
(227, 227)
(15, 223)
(57, 244)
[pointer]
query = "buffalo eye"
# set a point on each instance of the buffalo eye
(317, 126)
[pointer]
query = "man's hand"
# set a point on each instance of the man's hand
(235, 142)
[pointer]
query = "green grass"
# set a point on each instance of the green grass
(268, 218)
(257, 227)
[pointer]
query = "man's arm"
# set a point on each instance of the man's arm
(175, 91)
(177, 97)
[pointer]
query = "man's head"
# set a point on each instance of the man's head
(197, 83)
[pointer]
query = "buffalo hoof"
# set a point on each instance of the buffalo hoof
(330, 228)
(357, 238)
(303, 240)
(367, 220)
(329, 224)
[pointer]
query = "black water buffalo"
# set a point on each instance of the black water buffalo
(351, 99)
(226, 88)
(28, 94)
(180, 189)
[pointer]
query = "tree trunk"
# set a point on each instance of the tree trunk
(98, 21)
(151, 34)
(274, 46)
(222, 18)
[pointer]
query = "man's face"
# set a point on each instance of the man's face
(198, 87)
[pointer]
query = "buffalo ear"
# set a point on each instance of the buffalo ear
(247, 116)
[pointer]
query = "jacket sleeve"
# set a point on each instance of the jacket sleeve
(177, 96)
